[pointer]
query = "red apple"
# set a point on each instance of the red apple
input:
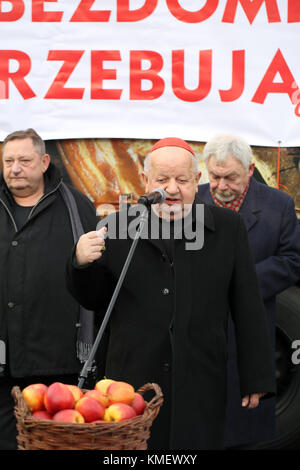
(119, 412)
(34, 396)
(90, 409)
(76, 391)
(120, 392)
(68, 416)
(42, 414)
(58, 397)
(99, 396)
(138, 403)
(103, 384)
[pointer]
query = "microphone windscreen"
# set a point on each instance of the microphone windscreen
(162, 194)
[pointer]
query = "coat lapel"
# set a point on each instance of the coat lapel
(153, 228)
(152, 225)
(250, 208)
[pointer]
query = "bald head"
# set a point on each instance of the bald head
(169, 152)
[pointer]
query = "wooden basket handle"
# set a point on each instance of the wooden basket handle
(158, 397)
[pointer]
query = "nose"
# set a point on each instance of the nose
(172, 187)
(222, 185)
(16, 168)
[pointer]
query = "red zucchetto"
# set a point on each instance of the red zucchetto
(172, 142)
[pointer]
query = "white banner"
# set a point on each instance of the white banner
(151, 68)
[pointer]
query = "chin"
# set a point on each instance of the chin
(225, 198)
(18, 189)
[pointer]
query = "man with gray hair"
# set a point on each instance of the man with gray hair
(168, 325)
(273, 232)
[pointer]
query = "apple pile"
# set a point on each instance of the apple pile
(110, 401)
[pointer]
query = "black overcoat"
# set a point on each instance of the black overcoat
(38, 315)
(169, 325)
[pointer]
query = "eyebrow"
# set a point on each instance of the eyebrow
(177, 177)
(233, 173)
(16, 156)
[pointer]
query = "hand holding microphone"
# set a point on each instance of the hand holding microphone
(90, 246)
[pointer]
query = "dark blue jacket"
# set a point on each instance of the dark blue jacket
(273, 232)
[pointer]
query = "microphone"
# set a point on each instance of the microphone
(157, 196)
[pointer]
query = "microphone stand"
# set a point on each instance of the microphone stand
(88, 364)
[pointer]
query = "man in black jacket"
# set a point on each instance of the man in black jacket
(169, 323)
(38, 316)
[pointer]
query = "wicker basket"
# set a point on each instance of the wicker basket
(39, 434)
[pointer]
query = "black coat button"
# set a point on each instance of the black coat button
(165, 291)
(11, 305)
(167, 367)
(14, 243)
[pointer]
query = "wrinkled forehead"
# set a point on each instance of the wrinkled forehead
(226, 166)
(19, 147)
(170, 159)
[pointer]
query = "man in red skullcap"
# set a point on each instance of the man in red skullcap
(173, 162)
(169, 323)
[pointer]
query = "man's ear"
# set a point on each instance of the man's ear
(251, 168)
(198, 176)
(46, 162)
(145, 180)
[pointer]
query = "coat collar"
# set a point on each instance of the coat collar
(250, 208)
(196, 218)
